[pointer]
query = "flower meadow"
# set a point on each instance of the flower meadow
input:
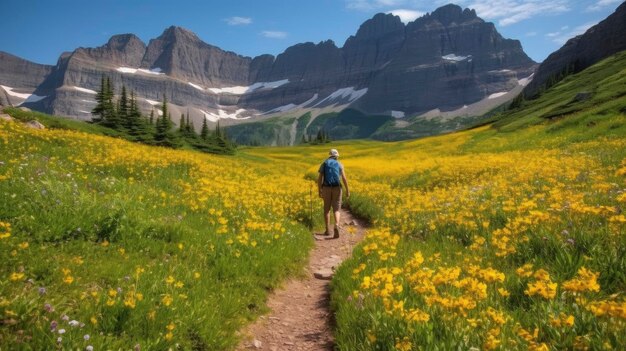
(478, 240)
(488, 241)
(111, 245)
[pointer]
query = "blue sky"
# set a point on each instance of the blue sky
(41, 30)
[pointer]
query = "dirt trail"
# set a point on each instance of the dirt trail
(300, 317)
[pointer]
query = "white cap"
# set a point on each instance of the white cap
(334, 153)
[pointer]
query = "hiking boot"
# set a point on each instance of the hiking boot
(336, 236)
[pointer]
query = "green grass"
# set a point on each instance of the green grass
(56, 122)
(120, 219)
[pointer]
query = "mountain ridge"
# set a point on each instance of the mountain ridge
(444, 60)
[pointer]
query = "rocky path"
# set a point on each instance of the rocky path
(300, 317)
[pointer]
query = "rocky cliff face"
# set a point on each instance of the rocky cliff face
(600, 41)
(179, 53)
(444, 60)
(448, 59)
(19, 73)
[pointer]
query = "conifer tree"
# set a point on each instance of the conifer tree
(111, 118)
(98, 110)
(162, 124)
(123, 110)
(137, 126)
(204, 133)
(181, 125)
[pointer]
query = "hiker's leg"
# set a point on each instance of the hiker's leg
(326, 196)
(337, 205)
(327, 221)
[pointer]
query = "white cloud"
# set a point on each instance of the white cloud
(274, 34)
(562, 36)
(600, 4)
(508, 12)
(406, 16)
(237, 21)
(531, 34)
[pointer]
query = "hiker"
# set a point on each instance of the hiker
(329, 187)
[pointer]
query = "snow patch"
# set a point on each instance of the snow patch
(524, 81)
(196, 86)
(88, 101)
(26, 97)
(497, 95)
(344, 93)
(457, 58)
(85, 90)
(127, 70)
(152, 102)
(283, 108)
(240, 90)
(290, 107)
(397, 114)
(83, 111)
(221, 114)
(155, 71)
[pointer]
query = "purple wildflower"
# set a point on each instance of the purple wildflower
(48, 308)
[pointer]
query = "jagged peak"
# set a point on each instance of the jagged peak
(176, 32)
(119, 41)
(450, 13)
(379, 25)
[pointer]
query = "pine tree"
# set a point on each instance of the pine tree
(98, 110)
(111, 118)
(165, 135)
(123, 109)
(204, 133)
(320, 136)
(152, 117)
(189, 126)
(162, 124)
(137, 124)
(182, 128)
(192, 129)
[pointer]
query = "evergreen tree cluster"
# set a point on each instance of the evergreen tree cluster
(123, 115)
(322, 137)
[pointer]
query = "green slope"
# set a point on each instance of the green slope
(597, 92)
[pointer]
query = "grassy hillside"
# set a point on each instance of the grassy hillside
(593, 93)
(138, 245)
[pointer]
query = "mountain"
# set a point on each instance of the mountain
(598, 42)
(439, 63)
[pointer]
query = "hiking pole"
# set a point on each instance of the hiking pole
(311, 206)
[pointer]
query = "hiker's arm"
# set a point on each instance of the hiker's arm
(320, 179)
(345, 182)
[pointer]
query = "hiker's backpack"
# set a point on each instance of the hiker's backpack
(331, 172)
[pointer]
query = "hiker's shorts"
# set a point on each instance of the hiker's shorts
(332, 197)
